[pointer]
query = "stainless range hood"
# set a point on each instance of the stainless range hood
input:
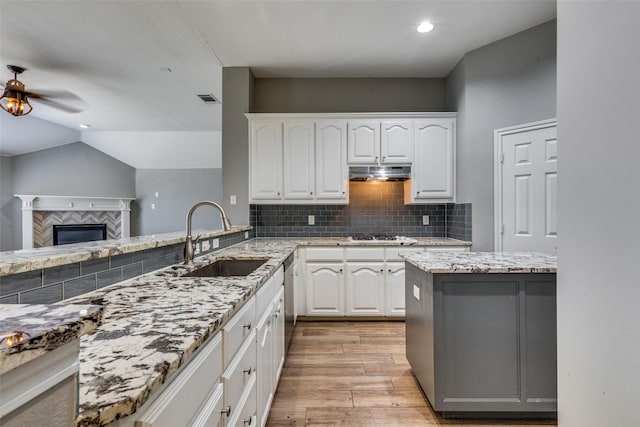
(379, 173)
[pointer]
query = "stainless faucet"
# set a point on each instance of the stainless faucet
(189, 247)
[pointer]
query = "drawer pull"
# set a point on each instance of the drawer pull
(247, 422)
(248, 371)
(227, 411)
(247, 326)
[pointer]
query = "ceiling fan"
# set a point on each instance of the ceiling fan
(15, 99)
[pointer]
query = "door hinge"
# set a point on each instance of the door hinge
(502, 158)
(502, 229)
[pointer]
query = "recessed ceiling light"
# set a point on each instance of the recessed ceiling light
(425, 27)
(84, 126)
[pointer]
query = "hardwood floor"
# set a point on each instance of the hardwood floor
(356, 374)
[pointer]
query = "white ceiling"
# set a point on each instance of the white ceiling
(109, 53)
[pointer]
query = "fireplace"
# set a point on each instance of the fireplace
(64, 234)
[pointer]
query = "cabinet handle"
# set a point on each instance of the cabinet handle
(340, 270)
(389, 270)
(278, 193)
(248, 371)
(247, 422)
(382, 270)
(384, 158)
(311, 193)
(247, 326)
(417, 192)
(227, 411)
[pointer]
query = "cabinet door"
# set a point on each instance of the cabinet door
(265, 365)
(394, 282)
(433, 171)
(278, 335)
(325, 288)
(396, 142)
(363, 141)
(365, 288)
(298, 159)
(331, 161)
(266, 160)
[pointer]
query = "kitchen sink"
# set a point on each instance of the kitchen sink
(228, 267)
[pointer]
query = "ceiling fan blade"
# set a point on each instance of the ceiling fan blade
(57, 105)
(58, 94)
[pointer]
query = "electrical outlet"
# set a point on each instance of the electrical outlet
(197, 251)
(157, 194)
(312, 220)
(206, 245)
(425, 219)
(215, 243)
(232, 199)
(153, 205)
(246, 235)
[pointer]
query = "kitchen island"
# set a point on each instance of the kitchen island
(481, 331)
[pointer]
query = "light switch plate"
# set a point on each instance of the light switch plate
(232, 199)
(215, 243)
(205, 245)
(425, 219)
(312, 220)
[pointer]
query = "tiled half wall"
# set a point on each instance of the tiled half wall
(373, 208)
(43, 222)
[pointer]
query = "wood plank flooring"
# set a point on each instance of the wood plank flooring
(356, 374)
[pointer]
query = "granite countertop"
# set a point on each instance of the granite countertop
(482, 262)
(43, 328)
(20, 261)
(152, 324)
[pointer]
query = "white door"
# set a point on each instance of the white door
(298, 159)
(331, 160)
(265, 364)
(365, 288)
(527, 188)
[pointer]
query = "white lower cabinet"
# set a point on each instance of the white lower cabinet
(270, 351)
(325, 288)
(358, 280)
(365, 288)
(188, 395)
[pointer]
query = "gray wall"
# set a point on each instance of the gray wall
(178, 190)
(237, 91)
(598, 290)
(72, 170)
(348, 95)
(509, 82)
(9, 208)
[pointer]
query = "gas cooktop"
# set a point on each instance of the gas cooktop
(376, 238)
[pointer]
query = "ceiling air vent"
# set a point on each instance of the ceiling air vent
(209, 99)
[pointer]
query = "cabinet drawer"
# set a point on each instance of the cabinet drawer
(210, 413)
(324, 254)
(246, 415)
(268, 290)
(364, 254)
(181, 399)
(238, 329)
(391, 254)
(240, 372)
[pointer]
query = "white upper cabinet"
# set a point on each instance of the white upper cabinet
(330, 159)
(266, 159)
(299, 159)
(380, 142)
(396, 142)
(433, 172)
(304, 158)
(364, 141)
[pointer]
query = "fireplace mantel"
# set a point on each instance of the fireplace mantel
(32, 203)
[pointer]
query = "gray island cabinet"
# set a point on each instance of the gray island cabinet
(481, 331)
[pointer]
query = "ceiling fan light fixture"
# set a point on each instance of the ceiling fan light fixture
(14, 99)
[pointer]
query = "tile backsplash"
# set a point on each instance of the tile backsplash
(373, 208)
